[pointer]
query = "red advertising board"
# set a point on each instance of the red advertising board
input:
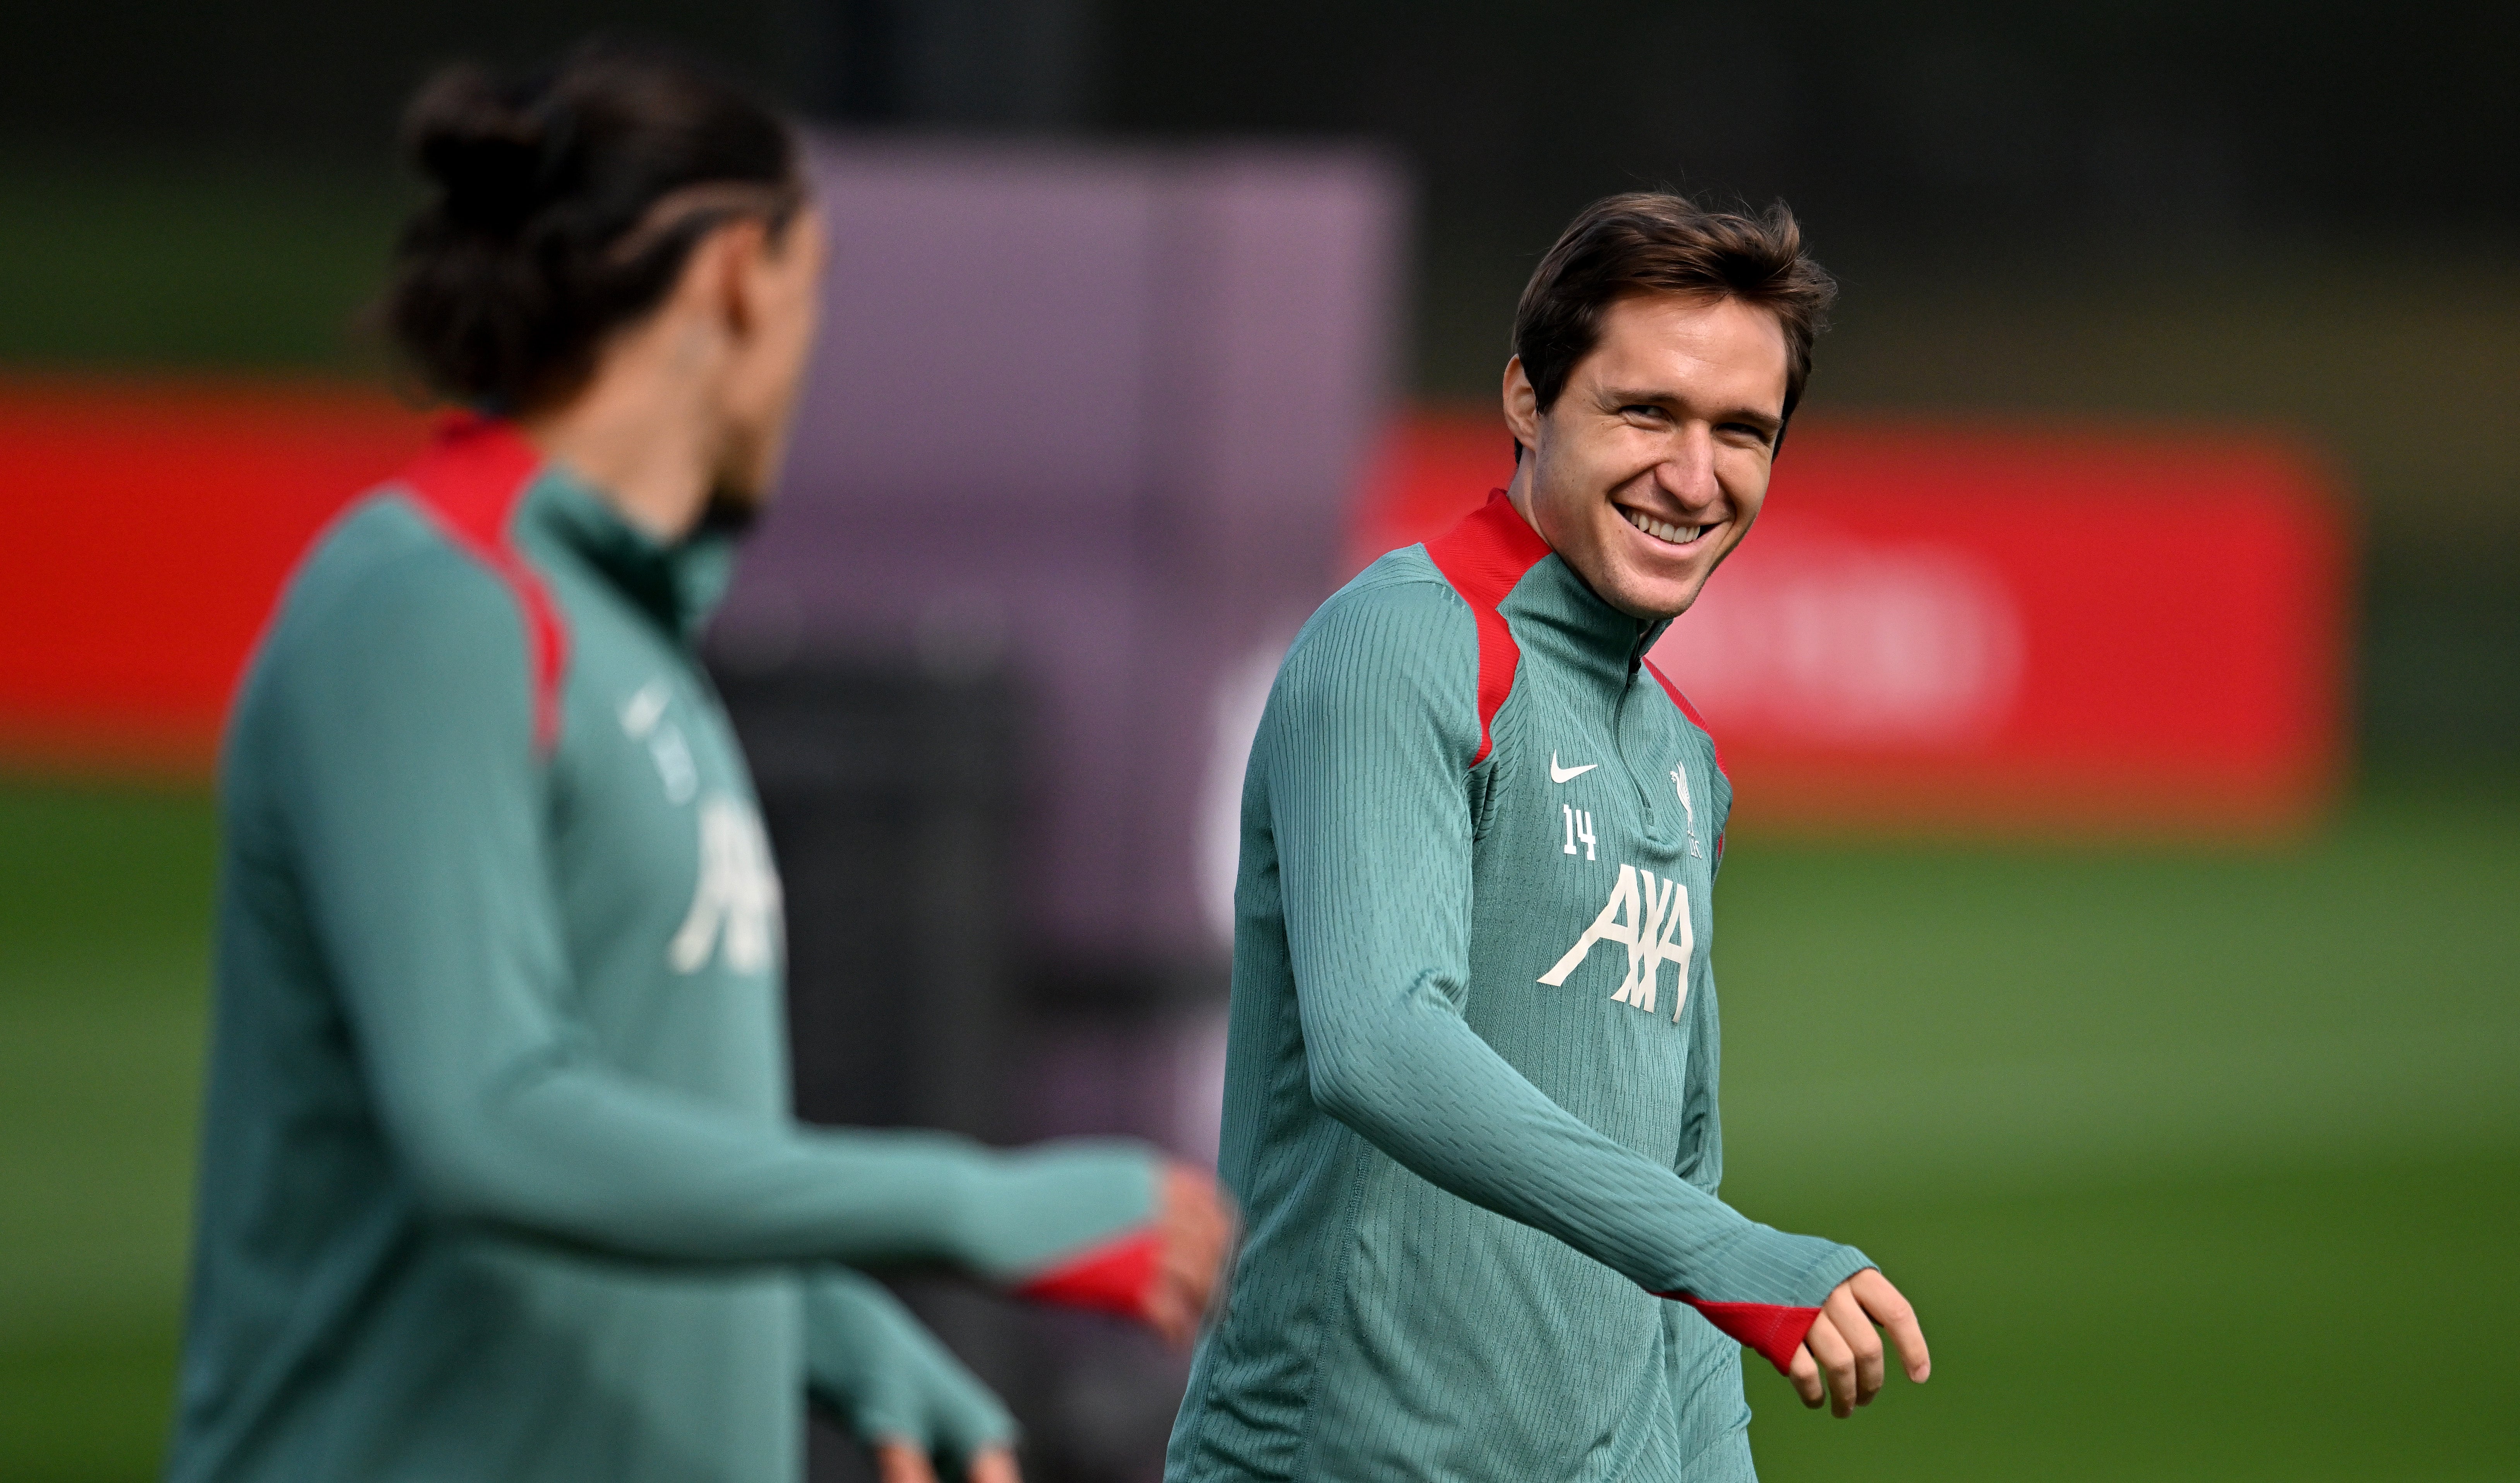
(2027, 629)
(2030, 629)
(160, 519)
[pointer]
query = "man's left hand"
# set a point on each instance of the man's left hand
(1841, 1359)
(903, 1461)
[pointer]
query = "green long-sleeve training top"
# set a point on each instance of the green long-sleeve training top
(1470, 1076)
(498, 1176)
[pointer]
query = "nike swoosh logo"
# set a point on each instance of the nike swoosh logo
(1558, 774)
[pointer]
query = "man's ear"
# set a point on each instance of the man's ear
(710, 284)
(721, 275)
(741, 244)
(1521, 405)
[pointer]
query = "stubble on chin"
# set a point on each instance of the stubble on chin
(1634, 590)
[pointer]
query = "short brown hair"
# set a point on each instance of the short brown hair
(1654, 241)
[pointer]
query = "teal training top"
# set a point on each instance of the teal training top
(499, 1180)
(1471, 1080)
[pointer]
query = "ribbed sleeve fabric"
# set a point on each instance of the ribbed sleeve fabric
(1364, 761)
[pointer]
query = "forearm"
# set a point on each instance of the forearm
(579, 1155)
(1422, 1086)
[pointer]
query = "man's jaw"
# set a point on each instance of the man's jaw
(1665, 562)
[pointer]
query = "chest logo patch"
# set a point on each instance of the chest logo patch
(1641, 916)
(641, 716)
(736, 902)
(1680, 780)
(1558, 774)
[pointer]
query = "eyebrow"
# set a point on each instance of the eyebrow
(1621, 396)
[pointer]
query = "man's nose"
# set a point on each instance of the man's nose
(1687, 472)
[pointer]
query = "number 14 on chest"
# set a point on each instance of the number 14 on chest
(1578, 829)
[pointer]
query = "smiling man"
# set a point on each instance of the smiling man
(1470, 1088)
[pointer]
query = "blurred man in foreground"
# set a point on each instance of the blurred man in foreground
(499, 1180)
(1470, 1084)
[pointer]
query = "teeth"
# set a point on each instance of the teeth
(1676, 536)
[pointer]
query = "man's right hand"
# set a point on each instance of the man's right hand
(1193, 1228)
(1841, 1358)
(1160, 1273)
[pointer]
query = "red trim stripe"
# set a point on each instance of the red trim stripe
(470, 482)
(1483, 558)
(1772, 1329)
(1118, 1277)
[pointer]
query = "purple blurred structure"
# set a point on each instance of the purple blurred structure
(1086, 425)
(1097, 417)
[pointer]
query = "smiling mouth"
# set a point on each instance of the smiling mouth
(1662, 530)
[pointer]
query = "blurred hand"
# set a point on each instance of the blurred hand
(898, 1461)
(1194, 1227)
(1841, 1360)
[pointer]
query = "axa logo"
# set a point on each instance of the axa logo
(1641, 915)
(737, 903)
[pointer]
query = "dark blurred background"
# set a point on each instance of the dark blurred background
(2204, 1155)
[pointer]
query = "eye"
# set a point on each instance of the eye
(1643, 411)
(1747, 431)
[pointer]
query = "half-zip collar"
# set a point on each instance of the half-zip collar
(678, 585)
(1556, 610)
(1562, 623)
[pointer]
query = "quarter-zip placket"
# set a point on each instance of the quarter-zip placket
(1654, 814)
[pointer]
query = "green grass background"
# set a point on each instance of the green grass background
(2198, 1165)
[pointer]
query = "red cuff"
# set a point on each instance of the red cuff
(1774, 1330)
(1117, 1276)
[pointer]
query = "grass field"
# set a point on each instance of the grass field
(2198, 1165)
(104, 936)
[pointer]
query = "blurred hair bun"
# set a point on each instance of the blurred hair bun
(567, 206)
(489, 154)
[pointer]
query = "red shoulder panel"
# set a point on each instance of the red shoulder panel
(469, 482)
(1483, 556)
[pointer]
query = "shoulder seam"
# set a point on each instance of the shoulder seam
(1407, 621)
(427, 543)
(1371, 579)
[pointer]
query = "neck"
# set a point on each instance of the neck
(1519, 492)
(642, 439)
